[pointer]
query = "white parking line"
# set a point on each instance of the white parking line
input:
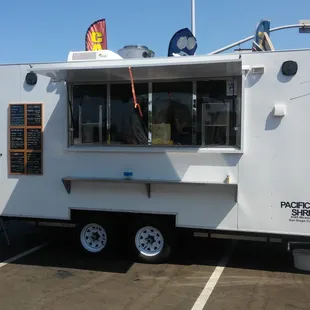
(12, 259)
(210, 285)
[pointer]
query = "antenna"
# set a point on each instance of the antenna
(193, 18)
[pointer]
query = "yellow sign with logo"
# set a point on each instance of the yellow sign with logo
(96, 38)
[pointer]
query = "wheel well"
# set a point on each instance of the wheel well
(123, 218)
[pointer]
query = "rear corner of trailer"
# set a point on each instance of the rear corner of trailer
(274, 193)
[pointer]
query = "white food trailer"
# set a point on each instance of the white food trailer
(218, 144)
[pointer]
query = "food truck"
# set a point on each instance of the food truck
(131, 151)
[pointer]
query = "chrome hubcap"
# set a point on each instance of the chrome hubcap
(93, 237)
(149, 241)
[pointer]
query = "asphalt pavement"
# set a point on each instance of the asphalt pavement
(59, 276)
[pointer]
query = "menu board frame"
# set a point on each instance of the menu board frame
(25, 127)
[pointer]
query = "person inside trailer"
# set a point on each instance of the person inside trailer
(138, 132)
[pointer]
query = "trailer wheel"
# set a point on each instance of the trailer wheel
(93, 237)
(153, 243)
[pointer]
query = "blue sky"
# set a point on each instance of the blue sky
(45, 31)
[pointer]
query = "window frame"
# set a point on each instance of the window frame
(238, 147)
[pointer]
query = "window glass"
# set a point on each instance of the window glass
(89, 113)
(216, 113)
(128, 126)
(172, 113)
(172, 122)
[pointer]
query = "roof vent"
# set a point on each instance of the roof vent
(135, 51)
(93, 55)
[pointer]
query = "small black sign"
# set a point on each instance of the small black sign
(34, 139)
(34, 115)
(17, 115)
(17, 141)
(34, 163)
(17, 162)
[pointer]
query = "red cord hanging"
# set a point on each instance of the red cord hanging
(137, 105)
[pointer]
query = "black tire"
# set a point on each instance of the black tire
(165, 231)
(93, 246)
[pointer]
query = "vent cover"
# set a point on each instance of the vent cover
(135, 51)
(93, 55)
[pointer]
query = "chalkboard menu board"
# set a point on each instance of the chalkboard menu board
(34, 163)
(34, 136)
(26, 139)
(17, 115)
(34, 115)
(17, 162)
(17, 139)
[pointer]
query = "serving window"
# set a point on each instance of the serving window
(88, 111)
(189, 113)
(218, 112)
(172, 117)
(127, 125)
